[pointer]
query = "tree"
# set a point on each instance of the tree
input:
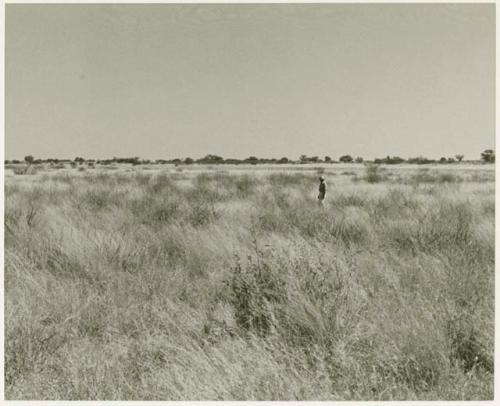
(358, 160)
(442, 160)
(252, 160)
(328, 159)
(488, 156)
(389, 160)
(345, 158)
(420, 160)
(459, 157)
(188, 161)
(303, 159)
(395, 160)
(315, 159)
(283, 160)
(29, 159)
(211, 159)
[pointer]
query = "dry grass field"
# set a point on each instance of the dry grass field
(231, 283)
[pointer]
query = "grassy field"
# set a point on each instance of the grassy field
(218, 283)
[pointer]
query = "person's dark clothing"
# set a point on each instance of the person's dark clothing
(322, 190)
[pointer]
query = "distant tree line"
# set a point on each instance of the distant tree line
(487, 156)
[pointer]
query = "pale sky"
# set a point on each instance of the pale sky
(167, 81)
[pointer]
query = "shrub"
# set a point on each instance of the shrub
(254, 289)
(421, 160)
(346, 158)
(201, 213)
(465, 345)
(389, 160)
(285, 179)
(372, 174)
(245, 185)
(424, 176)
(161, 183)
(488, 156)
(25, 170)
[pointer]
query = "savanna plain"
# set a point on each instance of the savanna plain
(232, 283)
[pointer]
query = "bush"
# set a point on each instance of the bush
(373, 174)
(25, 170)
(346, 158)
(389, 160)
(424, 176)
(421, 160)
(253, 290)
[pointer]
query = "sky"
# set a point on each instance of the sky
(167, 81)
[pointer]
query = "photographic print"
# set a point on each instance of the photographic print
(249, 202)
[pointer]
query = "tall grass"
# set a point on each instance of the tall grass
(218, 286)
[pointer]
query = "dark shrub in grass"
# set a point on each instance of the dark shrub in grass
(373, 174)
(424, 176)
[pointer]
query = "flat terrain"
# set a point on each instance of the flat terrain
(231, 283)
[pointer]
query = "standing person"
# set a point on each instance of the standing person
(322, 190)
